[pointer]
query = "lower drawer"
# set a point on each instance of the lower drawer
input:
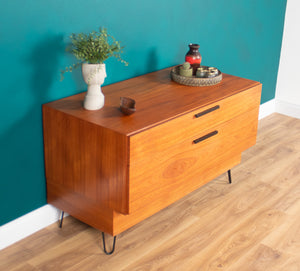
(167, 175)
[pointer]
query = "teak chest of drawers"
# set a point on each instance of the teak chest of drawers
(111, 171)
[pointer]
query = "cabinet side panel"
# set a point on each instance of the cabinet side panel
(86, 159)
(81, 207)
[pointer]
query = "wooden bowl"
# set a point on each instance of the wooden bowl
(127, 105)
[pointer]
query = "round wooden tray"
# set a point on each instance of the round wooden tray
(194, 81)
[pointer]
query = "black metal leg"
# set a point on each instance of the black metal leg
(61, 219)
(104, 247)
(229, 175)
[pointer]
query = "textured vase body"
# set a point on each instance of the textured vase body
(94, 76)
(193, 56)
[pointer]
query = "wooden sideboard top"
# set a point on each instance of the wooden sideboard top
(158, 99)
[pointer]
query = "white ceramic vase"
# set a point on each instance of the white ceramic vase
(93, 75)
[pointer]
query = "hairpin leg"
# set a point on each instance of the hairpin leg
(229, 175)
(104, 247)
(61, 219)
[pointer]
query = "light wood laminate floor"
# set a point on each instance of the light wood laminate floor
(252, 224)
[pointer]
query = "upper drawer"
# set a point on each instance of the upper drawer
(193, 124)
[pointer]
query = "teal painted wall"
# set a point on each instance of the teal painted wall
(239, 37)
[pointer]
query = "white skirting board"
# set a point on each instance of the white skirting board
(38, 219)
(281, 107)
(286, 108)
(266, 109)
(28, 224)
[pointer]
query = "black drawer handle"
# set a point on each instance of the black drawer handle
(207, 111)
(205, 137)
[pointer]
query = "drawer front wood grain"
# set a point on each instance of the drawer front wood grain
(170, 173)
(193, 123)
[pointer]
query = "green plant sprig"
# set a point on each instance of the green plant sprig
(93, 48)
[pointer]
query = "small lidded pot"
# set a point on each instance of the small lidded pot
(201, 72)
(212, 71)
(186, 70)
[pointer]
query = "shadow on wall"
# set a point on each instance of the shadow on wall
(22, 174)
(44, 61)
(148, 62)
(152, 62)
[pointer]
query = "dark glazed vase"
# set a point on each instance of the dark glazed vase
(194, 57)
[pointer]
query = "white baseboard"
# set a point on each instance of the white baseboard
(28, 224)
(286, 108)
(266, 109)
